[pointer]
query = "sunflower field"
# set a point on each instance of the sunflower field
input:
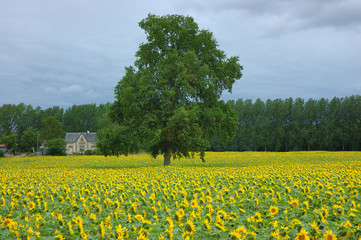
(249, 195)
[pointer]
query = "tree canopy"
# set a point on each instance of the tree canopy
(296, 125)
(273, 125)
(56, 147)
(168, 102)
(51, 128)
(28, 120)
(29, 138)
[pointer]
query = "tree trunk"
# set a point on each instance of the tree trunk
(167, 156)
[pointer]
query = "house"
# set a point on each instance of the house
(80, 142)
(3, 147)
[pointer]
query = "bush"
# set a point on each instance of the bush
(56, 147)
(2, 153)
(96, 152)
(88, 152)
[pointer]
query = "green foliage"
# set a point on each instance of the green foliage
(77, 153)
(2, 153)
(55, 111)
(56, 147)
(295, 125)
(52, 128)
(29, 117)
(80, 118)
(29, 138)
(104, 120)
(273, 125)
(116, 141)
(9, 118)
(96, 152)
(88, 152)
(10, 141)
(168, 101)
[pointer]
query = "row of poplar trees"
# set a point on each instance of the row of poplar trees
(271, 125)
(295, 125)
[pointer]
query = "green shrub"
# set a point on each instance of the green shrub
(96, 152)
(56, 147)
(88, 152)
(2, 153)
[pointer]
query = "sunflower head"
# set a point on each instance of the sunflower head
(329, 235)
(194, 203)
(180, 214)
(189, 227)
(303, 235)
(139, 217)
(6, 221)
(78, 219)
(273, 210)
(240, 230)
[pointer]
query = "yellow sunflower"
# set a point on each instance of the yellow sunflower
(102, 230)
(330, 236)
(207, 224)
(347, 224)
(180, 214)
(189, 227)
(30, 231)
(6, 221)
(273, 210)
(194, 203)
(139, 217)
(302, 235)
(31, 205)
(84, 235)
(240, 230)
(294, 202)
(78, 220)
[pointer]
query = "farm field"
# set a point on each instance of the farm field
(249, 195)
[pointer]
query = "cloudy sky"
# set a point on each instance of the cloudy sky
(65, 52)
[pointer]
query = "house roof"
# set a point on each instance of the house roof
(73, 137)
(2, 146)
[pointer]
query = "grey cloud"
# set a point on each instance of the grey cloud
(50, 51)
(291, 14)
(72, 89)
(339, 14)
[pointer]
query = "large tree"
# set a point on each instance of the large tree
(29, 138)
(51, 128)
(168, 102)
(81, 118)
(10, 141)
(9, 118)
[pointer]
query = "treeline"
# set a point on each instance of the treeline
(24, 126)
(272, 125)
(295, 125)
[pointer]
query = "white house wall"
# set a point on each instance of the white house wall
(73, 147)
